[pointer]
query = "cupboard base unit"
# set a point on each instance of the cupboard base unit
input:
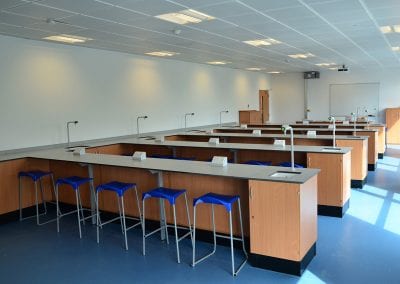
(380, 155)
(371, 167)
(333, 211)
(358, 183)
(283, 265)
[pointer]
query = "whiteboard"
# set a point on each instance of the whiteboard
(346, 98)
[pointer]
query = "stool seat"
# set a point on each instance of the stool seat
(165, 193)
(258, 163)
(116, 186)
(34, 175)
(73, 181)
(289, 164)
(213, 198)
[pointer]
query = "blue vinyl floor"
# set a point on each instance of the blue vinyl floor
(363, 247)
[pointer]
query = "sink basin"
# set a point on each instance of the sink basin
(331, 149)
(147, 137)
(284, 174)
(72, 148)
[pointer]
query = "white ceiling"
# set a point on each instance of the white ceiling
(339, 31)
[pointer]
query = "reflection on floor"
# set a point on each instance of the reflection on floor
(363, 247)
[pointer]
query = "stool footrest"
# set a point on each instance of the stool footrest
(228, 237)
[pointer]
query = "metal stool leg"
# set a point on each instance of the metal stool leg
(242, 236)
(231, 237)
(144, 229)
(41, 192)
(58, 210)
(78, 212)
(120, 215)
(20, 198)
(138, 205)
(37, 203)
(176, 236)
(165, 223)
(97, 217)
(80, 206)
(188, 218)
(124, 222)
(194, 237)
(54, 189)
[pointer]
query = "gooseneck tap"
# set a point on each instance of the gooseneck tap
(220, 116)
(137, 123)
(186, 115)
(285, 128)
(333, 120)
(75, 122)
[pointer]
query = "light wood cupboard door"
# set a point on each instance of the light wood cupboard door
(334, 178)
(264, 105)
(393, 125)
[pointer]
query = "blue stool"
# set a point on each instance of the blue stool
(226, 201)
(75, 182)
(258, 163)
(171, 195)
(119, 188)
(35, 176)
(289, 164)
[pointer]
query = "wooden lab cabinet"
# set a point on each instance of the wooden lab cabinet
(250, 116)
(393, 125)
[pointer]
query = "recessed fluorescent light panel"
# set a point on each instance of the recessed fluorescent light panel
(261, 42)
(326, 64)
(301, 55)
(274, 72)
(162, 53)
(184, 17)
(218, 62)
(68, 38)
(396, 48)
(254, 69)
(390, 29)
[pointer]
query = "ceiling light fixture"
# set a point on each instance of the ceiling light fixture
(390, 29)
(184, 17)
(274, 72)
(301, 55)
(162, 53)
(325, 64)
(396, 48)
(260, 42)
(68, 38)
(254, 69)
(218, 62)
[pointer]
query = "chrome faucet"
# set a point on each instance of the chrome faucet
(354, 122)
(137, 122)
(220, 116)
(186, 115)
(285, 128)
(75, 122)
(333, 120)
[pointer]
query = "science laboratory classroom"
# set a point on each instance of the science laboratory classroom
(200, 141)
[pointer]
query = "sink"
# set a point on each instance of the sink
(331, 149)
(284, 174)
(72, 148)
(147, 137)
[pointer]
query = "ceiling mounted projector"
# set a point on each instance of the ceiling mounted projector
(343, 68)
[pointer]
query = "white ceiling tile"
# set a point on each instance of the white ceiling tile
(264, 5)
(4, 4)
(10, 18)
(224, 10)
(117, 15)
(152, 7)
(199, 4)
(81, 6)
(39, 11)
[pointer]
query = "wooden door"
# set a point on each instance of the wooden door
(393, 125)
(264, 105)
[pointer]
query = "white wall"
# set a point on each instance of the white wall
(43, 85)
(288, 87)
(287, 97)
